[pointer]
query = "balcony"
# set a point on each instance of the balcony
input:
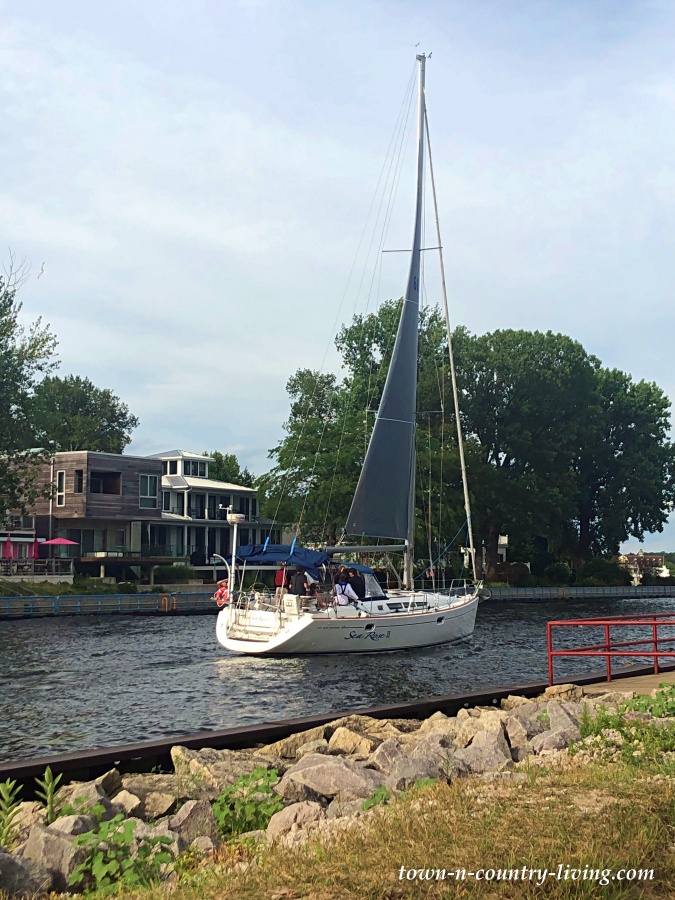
(18, 523)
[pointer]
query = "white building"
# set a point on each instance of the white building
(194, 510)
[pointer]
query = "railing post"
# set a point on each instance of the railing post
(608, 658)
(549, 644)
(655, 633)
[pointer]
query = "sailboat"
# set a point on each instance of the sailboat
(383, 507)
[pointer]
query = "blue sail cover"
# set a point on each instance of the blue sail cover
(292, 555)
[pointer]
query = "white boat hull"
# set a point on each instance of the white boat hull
(270, 633)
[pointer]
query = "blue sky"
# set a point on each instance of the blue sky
(196, 177)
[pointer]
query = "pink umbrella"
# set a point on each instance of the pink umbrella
(33, 550)
(60, 541)
(7, 548)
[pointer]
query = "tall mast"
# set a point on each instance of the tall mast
(460, 439)
(408, 578)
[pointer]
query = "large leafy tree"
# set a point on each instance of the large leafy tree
(226, 467)
(25, 355)
(71, 413)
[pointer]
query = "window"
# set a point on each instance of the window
(202, 469)
(254, 507)
(61, 488)
(166, 501)
(119, 537)
(79, 481)
(187, 467)
(180, 505)
(212, 506)
(223, 503)
(243, 537)
(244, 505)
(148, 492)
(173, 467)
(105, 482)
(164, 468)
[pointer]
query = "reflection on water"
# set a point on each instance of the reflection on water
(76, 683)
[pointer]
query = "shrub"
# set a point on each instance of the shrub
(48, 788)
(559, 573)
(248, 804)
(174, 574)
(9, 806)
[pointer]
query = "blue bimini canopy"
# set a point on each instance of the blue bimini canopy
(291, 554)
(359, 567)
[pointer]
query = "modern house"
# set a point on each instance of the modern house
(124, 512)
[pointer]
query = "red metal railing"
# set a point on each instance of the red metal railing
(655, 646)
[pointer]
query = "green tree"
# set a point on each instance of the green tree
(24, 356)
(226, 467)
(72, 414)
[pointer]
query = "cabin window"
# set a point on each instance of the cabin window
(173, 467)
(148, 492)
(105, 483)
(79, 481)
(166, 501)
(61, 488)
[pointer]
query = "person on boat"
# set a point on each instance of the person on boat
(344, 593)
(299, 583)
(340, 575)
(357, 583)
(222, 594)
(281, 581)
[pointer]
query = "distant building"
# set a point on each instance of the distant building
(128, 511)
(639, 563)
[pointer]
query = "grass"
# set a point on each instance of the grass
(599, 815)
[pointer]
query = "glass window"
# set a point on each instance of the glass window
(254, 507)
(180, 504)
(166, 501)
(187, 467)
(61, 488)
(79, 481)
(202, 470)
(148, 492)
(164, 468)
(173, 467)
(119, 537)
(212, 506)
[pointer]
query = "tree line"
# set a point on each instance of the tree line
(566, 457)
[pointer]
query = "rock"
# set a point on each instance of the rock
(376, 729)
(55, 852)
(609, 698)
(408, 771)
(317, 776)
(563, 715)
(437, 747)
(488, 752)
(127, 802)
(287, 748)
(194, 819)
(83, 796)
(338, 809)
(513, 701)
(215, 770)
(300, 814)
(351, 743)
(488, 720)
(204, 844)
(110, 782)
(73, 825)
(320, 746)
(161, 829)
(28, 813)
(22, 877)
(563, 692)
(385, 756)
(551, 740)
(518, 739)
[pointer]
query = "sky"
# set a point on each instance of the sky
(196, 178)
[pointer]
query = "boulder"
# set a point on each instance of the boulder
(194, 819)
(409, 771)
(55, 852)
(338, 809)
(513, 701)
(110, 782)
(553, 740)
(317, 776)
(287, 748)
(563, 692)
(376, 729)
(320, 746)
(300, 814)
(487, 720)
(518, 739)
(204, 844)
(83, 796)
(488, 752)
(73, 825)
(351, 743)
(22, 877)
(28, 813)
(128, 803)
(385, 756)
(563, 715)
(437, 747)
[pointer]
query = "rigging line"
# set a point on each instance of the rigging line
(429, 533)
(445, 549)
(401, 115)
(465, 484)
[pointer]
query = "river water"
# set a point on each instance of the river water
(83, 682)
